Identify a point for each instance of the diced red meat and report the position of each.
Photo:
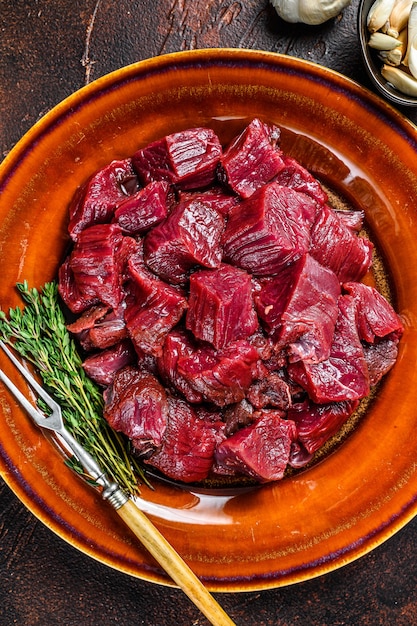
(294, 175)
(177, 345)
(299, 308)
(376, 317)
(69, 292)
(189, 237)
(335, 246)
(103, 365)
(153, 308)
(88, 318)
(129, 247)
(96, 264)
(216, 198)
(135, 259)
(96, 201)
(221, 376)
(220, 305)
(252, 159)
(188, 159)
(238, 415)
(271, 294)
(108, 331)
(146, 208)
(187, 450)
(218, 294)
(264, 345)
(380, 356)
(352, 218)
(299, 456)
(136, 404)
(269, 230)
(270, 391)
(344, 375)
(99, 327)
(260, 450)
(316, 423)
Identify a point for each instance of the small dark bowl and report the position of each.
(373, 64)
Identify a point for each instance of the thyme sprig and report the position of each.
(39, 334)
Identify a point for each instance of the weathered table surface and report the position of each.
(47, 51)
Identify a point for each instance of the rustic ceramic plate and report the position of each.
(366, 489)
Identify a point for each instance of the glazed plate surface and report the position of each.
(362, 492)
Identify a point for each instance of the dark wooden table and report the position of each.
(48, 49)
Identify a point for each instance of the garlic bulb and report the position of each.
(309, 11)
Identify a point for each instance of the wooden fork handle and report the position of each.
(173, 564)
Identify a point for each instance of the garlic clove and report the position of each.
(380, 41)
(411, 30)
(412, 57)
(393, 57)
(403, 37)
(399, 16)
(379, 13)
(400, 80)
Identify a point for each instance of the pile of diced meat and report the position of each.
(217, 295)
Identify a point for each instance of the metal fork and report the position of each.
(133, 517)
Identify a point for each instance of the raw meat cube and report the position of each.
(188, 159)
(214, 197)
(189, 237)
(103, 365)
(136, 404)
(238, 415)
(351, 218)
(96, 263)
(316, 423)
(108, 331)
(153, 308)
(380, 356)
(335, 246)
(260, 450)
(221, 376)
(220, 305)
(96, 201)
(299, 308)
(376, 317)
(76, 301)
(270, 391)
(269, 230)
(294, 175)
(177, 345)
(344, 375)
(252, 159)
(99, 327)
(146, 208)
(187, 450)
(88, 319)
(299, 456)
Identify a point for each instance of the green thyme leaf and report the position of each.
(38, 332)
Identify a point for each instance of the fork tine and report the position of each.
(54, 421)
(30, 379)
(28, 406)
